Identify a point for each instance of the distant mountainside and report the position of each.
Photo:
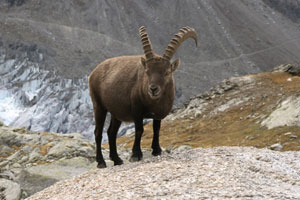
(67, 39)
(289, 8)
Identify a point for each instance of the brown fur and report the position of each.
(116, 83)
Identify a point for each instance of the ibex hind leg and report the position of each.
(100, 115)
(112, 137)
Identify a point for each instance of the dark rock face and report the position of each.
(289, 8)
(72, 37)
(15, 2)
(293, 69)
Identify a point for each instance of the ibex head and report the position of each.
(159, 70)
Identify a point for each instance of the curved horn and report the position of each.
(146, 43)
(183, 34)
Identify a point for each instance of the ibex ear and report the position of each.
(143, 61)
(175, 64)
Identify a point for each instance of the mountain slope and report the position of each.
(235, 37)
(260, 110)
(67, 39)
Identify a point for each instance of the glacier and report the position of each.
(44, 101)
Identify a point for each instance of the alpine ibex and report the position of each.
(132, 88)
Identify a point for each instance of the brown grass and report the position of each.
(44, 149)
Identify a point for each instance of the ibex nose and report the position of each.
(154, 89)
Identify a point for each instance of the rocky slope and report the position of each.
(258, 110)
(35, 160)
(214, 173)
(31, 161)
(62, 41)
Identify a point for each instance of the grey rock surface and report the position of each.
(276, 147)
(200, 103)
(184, 173)
(62, 169)
(212, 173)
(286, 114)
(293, 69)
(9, 190)
(36, 160)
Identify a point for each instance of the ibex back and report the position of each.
(132, 88)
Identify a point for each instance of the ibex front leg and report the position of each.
(155, 142)
(136, 150)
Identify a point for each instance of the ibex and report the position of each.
(132, 88)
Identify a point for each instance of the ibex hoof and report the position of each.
(136, 158)
(118, 161)
(101, 165)
(156, 152)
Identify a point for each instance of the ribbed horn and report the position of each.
(146, 43)
(183, 34)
